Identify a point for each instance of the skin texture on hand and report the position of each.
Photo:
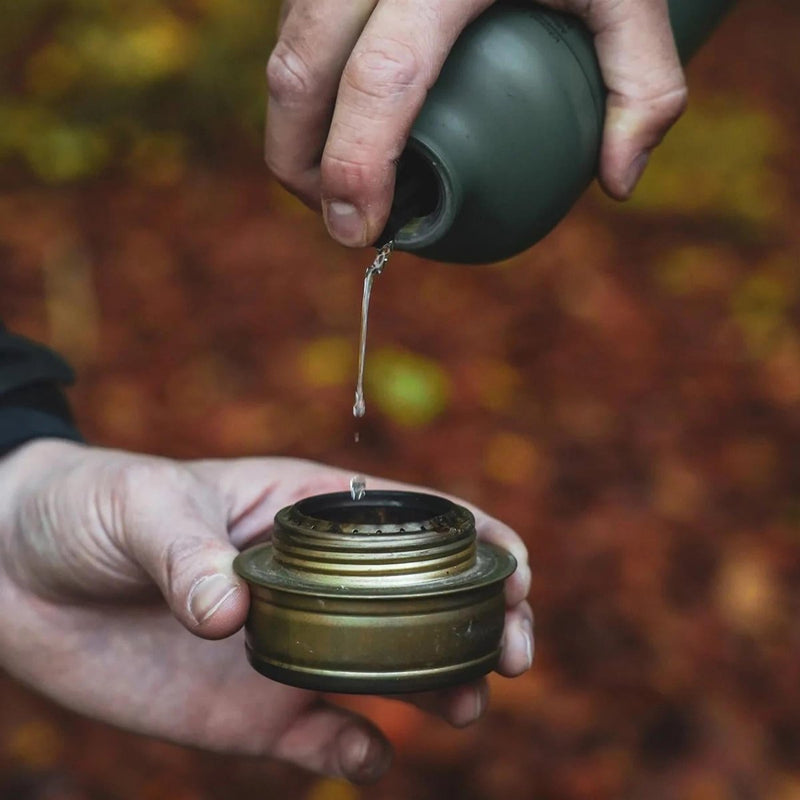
(116, 571)
(347, 80)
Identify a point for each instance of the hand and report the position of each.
(89, 538)
(347, 80)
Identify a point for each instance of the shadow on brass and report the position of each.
(387, 594)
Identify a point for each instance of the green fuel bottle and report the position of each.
(509, 136)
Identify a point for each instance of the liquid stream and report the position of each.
(359, 406)
(358, 484)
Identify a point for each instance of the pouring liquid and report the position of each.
(359, 406)
(358, 484)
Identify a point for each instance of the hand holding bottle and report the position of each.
(346, 82)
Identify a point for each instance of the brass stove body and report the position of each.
(387, 594)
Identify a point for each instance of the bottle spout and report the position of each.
(418, 197)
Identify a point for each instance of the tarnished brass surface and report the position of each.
(389, 593)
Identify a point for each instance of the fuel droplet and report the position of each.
(358, 487)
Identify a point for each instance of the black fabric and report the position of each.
(23, 362)
(32, 405)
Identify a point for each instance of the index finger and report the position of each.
(385, 81)
(303, 72)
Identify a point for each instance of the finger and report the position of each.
(336, 742)
(458, 705)
(489, 529)
(173, 527)
(646, 85)
(253, 490)
(384, 84)
(283, 13)
(517, 648)
(303, 72)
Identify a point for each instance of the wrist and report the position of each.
(21, 471)
(32, 460)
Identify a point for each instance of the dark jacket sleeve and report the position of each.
(32, 404)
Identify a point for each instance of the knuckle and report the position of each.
(351, 176)
(672, 103)
(139, 488)
(384, 69)
(133, 478)
(597, 13)
(665, 106)
(290, 78)
(135, 487)
(180, 559)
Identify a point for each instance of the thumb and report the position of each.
(174, 527)
(645, 81)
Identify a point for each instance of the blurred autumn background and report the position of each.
(626, 394)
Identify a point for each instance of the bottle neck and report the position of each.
(426, 198)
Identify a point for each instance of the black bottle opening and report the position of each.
(417, 194)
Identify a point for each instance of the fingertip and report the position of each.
(345, 223)
(634, 172)
(619, 149)
(364, 755)
(459, 706)
(518, 643)
(470, 705)
(217, 606)
(633, 127)
(620, 183)
(356, 185)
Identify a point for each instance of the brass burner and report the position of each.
(387, 594)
